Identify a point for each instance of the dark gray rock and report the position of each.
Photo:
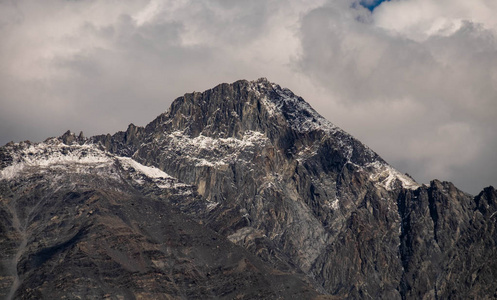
(448, 243)
(105, 230)
(265, 199)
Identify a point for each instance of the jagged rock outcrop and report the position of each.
(448, 242)
(298, 207)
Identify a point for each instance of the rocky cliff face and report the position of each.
(448, 242)
(240, 191)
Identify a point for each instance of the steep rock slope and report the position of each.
(79, 222)
(254, 165)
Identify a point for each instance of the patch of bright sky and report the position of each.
(371, 4)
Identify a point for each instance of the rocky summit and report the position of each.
(240, 192)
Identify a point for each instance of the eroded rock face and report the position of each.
(246, 171)
(78, 222)
(448, 242)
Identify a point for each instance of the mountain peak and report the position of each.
(240, 191)
(234, 116)
(228, 110)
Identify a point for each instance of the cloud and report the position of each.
(413, 79)
(420, 19)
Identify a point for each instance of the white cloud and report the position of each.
(421, 19)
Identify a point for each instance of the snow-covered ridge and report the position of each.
(87, 158)
(212, 152)
(53, 154)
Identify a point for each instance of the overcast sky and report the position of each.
(416, 80)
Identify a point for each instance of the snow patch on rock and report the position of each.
(213, 152)
(386, 176)
(54, 154)
(151, 172)
(139, 173)
(142, 174)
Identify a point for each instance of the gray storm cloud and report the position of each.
(416, 80)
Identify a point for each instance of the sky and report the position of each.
(416, 80)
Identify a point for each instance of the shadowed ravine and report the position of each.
(21, 230)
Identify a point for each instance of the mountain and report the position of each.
(240, 192)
